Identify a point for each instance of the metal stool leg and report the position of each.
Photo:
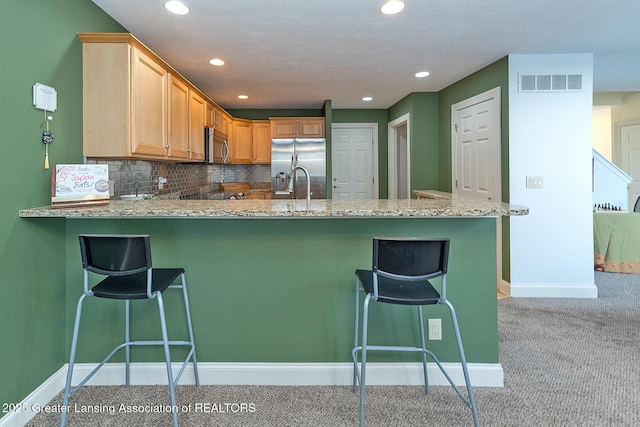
(72, 357)
(167, 355)
(190, 327)
(363, 362)
(356, 331)
(463, 361)
(127, 339)
(423, 343)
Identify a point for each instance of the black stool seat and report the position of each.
(124, 265)
(134, 286)
(394, 291)
(403, 272)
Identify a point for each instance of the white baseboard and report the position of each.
(555, 290)
(210, 373)
(38, 398)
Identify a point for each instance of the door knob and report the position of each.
(335, 186)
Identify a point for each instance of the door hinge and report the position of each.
(455, 126)
(456, 183)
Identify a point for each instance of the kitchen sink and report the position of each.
(139, 196)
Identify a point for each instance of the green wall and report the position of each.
(423, 130)
(282, 290)
(38, 44)
(494, 75)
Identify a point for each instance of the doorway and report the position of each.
(354, 160)
(399, 158)
(475, 157)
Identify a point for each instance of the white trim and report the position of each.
(613, 168)
(555, 290)
(38, 398)
(374, 154)
(481, 375)
(504, 286)
(392, 151)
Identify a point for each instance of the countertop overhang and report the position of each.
(299, 208)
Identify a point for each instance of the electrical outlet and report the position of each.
(435, 329)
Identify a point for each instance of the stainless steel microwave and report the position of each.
(216, 147)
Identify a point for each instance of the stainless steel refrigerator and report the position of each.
(288, 153)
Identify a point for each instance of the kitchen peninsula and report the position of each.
(272, 281)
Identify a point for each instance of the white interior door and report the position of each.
(475, 147)
(354, 161)
(630, 150)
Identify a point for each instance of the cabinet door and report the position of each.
(197, 111)
(241, 142)
(226, 124)
(217, 118)
(178, 119)
(149, 106)
(311, 128)
(283, 128)
(261, 136)
(209, 115)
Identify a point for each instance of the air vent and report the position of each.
(550, 83)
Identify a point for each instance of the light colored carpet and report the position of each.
(567, 362)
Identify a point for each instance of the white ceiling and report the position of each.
(298, 53)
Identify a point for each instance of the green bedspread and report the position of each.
(616, 237)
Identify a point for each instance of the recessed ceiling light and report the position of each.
(177, 7)
(243, 97)
(367, 98)
(392, 7)
(216, 61)
(422, 74)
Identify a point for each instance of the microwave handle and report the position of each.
(224, 151)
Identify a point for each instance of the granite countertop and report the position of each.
(319, 208)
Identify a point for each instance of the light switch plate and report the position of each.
(535, 182)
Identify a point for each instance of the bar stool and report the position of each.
(125, 260)
(401, 274)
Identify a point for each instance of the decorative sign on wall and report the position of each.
(80, 185)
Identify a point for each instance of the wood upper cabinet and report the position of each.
(178, 146)
(311, 127)
(225, 123)
(209, 115)
(240, 146)
(197, 115)
(149, 106)
(125, 102)
(261, 141)
(135, 105)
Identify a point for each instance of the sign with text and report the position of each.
(80, 185)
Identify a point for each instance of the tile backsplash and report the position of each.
(141, 176)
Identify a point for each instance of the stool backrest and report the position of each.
(115, 255)
(410, 258)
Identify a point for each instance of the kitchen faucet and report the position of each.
(292, 175)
